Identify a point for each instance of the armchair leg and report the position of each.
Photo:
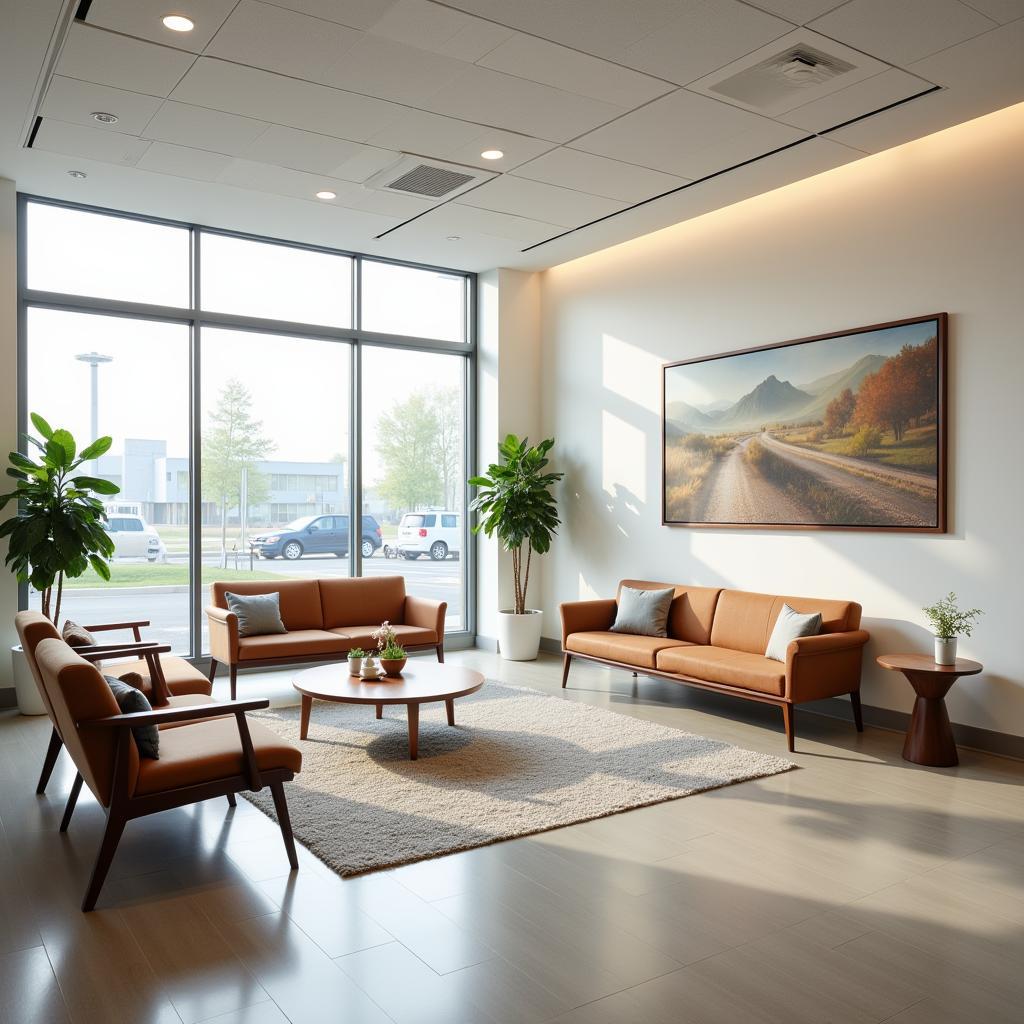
(789, 720)
(440, 653)
(69, 807)
(49, 761)
(566, 662)
(858, 718)
(108, 847)
(233, 672)
(281, 807)
(232, 802)
(213, 669)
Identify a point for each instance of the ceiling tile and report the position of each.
(264, 95)
(902, 32)
(856, 100)
(797, 11)
(91, 143)
(460, 219)
(706, 35)
(96, 55)
(706, 136)
(265, 36)
(598, 175)
(440, 29)
(517, 149)
(199, 128)
(489, 97)
(365, 162)
(381, 67)
(392, 204)
(183, 162)
(354, 13)
(288, 182)
(142, 18)
(67, 99)
(551, 64)
(534, 199)
(1003, 11)
(304, 151)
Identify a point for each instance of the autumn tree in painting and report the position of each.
(903, 391)
(839, 412)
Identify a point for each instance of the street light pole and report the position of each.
(94, 359)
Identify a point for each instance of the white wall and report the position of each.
(935, 225)
(8, 406)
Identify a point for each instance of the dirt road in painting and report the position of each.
(738, 494)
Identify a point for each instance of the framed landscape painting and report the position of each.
(842, 431)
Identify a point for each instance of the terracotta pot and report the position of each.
(392, 666)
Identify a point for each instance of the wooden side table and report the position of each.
(930, 736)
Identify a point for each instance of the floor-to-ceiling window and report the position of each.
(276, 410)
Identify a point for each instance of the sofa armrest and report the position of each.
(426, 614)
(824, 666)
(583, 616)
(223, 634)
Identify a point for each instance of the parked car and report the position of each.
(436, 533)
(313, 535)
(133, 537)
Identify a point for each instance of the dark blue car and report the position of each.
(316, 535)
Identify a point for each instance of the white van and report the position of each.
(437, 533)
(133, 537)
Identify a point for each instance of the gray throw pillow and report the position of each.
(788, 626)
(644, 612)
(258, 614)
(129, 700)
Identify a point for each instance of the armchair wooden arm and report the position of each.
(165, 716)
(135, 625)
(102, 652)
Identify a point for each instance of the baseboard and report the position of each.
(8, 697)
(550, 645)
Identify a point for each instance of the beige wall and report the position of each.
(8, 408)
(935, 225)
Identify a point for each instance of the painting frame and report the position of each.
(941, 522)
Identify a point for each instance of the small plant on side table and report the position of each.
(389, 650)
(949, 622)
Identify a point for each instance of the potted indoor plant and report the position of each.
(355, 660)
(390, 652)
(514, 501)
(948, 622)
(57, 532)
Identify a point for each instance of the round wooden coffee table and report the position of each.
(930, 736)
(418, 684)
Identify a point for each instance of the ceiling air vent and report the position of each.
(428, 179)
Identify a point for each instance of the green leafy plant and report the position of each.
(947, 620)
(357, 652)
(392, 652)
(58, 529)
(515, 502)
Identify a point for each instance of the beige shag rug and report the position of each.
(517, 762)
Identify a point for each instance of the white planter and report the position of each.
(519, 635)
(945, 650)
(29, 701)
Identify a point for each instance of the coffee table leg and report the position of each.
(449, 705)
(307, 706)
(414, 730)
(380, 710)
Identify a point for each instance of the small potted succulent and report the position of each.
(949, 622)
(389, 650)
(355, 660)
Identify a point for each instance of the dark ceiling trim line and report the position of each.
(36, 125)
(83, 10)
(726, 170)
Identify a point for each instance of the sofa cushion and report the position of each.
(257, 614)
(132, 701)
(624, 647)
(720, 665)
(181, 677)
(408, 636)
(790, 625)
(744, 621)
(643, 612)
(297, 643)
(375, 599)
(692, 611)
(300, 599)
(212, 750)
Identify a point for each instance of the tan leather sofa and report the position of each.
(717, 639)
(325, 619)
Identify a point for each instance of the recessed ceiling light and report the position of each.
(77, 174)
(103, 117)
(492, 154)
(327, 194)
(178, 23)
(455, 238)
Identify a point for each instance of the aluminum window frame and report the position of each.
(196, 318)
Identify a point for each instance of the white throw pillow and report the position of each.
(788, 626)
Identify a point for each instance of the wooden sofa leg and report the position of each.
(69, 807)
(281, 807)
(440, 653)
(108, 847)
(789, 720)
(566, 662)
(232, 802)
(233, 672)
(213, 669)
(52, 751)
(858, 717)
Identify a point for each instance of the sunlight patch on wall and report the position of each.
(623, 461)
(629, 371)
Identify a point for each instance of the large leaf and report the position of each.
(99, 447)
(67, 442)
(41, 425)
(97, 484)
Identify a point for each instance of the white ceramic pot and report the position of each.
(945, 650)
(29, 701)
(519, 635)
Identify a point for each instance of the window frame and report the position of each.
(196, 318)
